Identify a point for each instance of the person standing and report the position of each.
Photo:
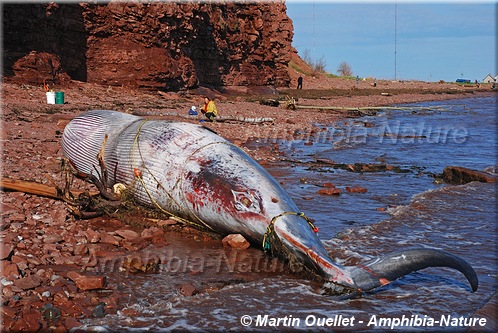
(209, 108)
(300, 82)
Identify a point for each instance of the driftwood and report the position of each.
(219, 119)
(82, 203)
(367, 108)
(259, 120)
(39, 189)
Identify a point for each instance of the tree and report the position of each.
(320, 64)
(344, 69)
(317, 65)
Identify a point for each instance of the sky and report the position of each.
(418, 40)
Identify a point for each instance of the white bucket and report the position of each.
(50, 97)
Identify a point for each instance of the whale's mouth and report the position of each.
(293, 238)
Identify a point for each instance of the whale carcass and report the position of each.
(187, 170)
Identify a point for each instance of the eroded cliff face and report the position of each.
(167, 46)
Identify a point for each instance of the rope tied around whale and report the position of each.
(139, 175)
(271, 227)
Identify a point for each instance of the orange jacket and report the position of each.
(210, 107)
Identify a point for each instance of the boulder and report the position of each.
(461, 175)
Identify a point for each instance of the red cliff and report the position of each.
(166, 46)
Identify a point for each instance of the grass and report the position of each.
(296, 67)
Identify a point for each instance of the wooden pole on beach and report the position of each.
(408, 108)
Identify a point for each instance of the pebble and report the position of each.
(99, 310)
(329, 191)
(6, 282)
(50, 313)
(356, 189)
(188, 289)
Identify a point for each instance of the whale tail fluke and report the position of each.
(394, 265)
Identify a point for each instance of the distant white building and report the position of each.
(490, 79)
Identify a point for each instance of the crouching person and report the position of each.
(209, 109)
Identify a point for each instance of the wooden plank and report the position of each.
(35, 188)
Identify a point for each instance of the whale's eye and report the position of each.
(246, 201)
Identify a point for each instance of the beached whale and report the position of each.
(189, 171)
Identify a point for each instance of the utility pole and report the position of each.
(395, 36)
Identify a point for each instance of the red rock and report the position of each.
(127, 234)
(71, 322)
(6, 250)
(130, 312)
(17, 217)
(107, 238)
(80, 249)
(236, 241)
(61, 300)
(158, 239)
(7, 209)
(28, 282)
(58, 329)
(9, 270)
(163, 223)
(52, 238)
(187, 289)
(329, 191)
(7, 291)
(261, 47)
(8, 311)
(328, 185)
(92, 236)
(58, 216)
(17, 258)
(461, 175)
(151, 232)
(356, 189)
(87, 282)
(74, 309)
(31, 322)
(33, 260)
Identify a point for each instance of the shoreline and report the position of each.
(49, 256)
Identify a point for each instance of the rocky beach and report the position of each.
(49, 256)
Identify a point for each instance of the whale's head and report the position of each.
(226, 188)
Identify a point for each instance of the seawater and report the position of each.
(415, 211)
(420, 139)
